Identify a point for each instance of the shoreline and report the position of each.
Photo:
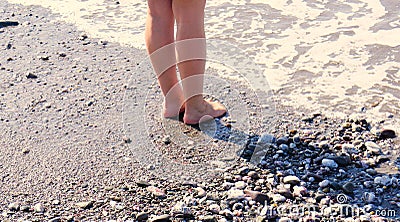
(65, 156)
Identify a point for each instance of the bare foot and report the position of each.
(200, 111)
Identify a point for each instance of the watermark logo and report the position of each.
(174, 150)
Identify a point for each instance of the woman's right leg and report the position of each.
(190, 42)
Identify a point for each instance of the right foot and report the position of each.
(204, 110)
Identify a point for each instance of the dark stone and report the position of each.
(342, 160)
(387, 133)
(143, 216)
(4, 24)
(335, 186)
(31, 76)
(161, 218)
(348, 188)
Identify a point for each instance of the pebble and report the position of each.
(369, 197)
(348, 187)
(324, 183)
(143, 216)
(373, 147)
(299, 191)
(387, 133)
(371, 172)
(85, 204)
(31, 76)
(384, 180)
(38, 208)
(329, 163)
(284, 219)
(156, 191)
(200, 192)
(161, 218)
(293, 180)
(142, 183)
(13, 206)
(209, 218)
(235, 194)
(215, 208)
(240, 185)
(277, 198)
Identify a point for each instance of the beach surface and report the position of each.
(81, 138)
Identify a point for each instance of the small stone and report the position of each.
(55, 219)
(31, 76)
(371, 172)
(384, 180)
(156, 191)
(299, 191)
(127, 139)
(209, 218)
(343, 160)
(282, 140)
(166, 140)
(13, 206)
(115, 198)
(25, 151)
(284, 219)
(215, 208)
(235, 194)
(142, 216)
(253, 175)
(161, 218)
(348, 187)
(25, 208)
(293, 180)
(277, 198)
(329, 163)
(369, 197)
(373, 147)
(387, 133)
(142, 183)
(244, 170)
(85, 204)
(181, 209)
(62, 54)
(56, 202)
(240, 185)
(256, 196)
(38, 208)
(200, 192)
(324, 183)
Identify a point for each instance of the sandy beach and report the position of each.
(312, 90)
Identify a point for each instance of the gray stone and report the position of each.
(277, 198)
(329, 163)
(324, 183)
(373, 147)
(348, 187)
(85, 204)
(215, 208)
(13, 206)
(143, 216)
(235, 194)
(293, 180)
(38, 208)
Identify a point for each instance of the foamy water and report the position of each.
(332, 55)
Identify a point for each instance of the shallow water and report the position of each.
(339, 57)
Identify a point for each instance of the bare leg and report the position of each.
(189, 15)
(159, 33)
